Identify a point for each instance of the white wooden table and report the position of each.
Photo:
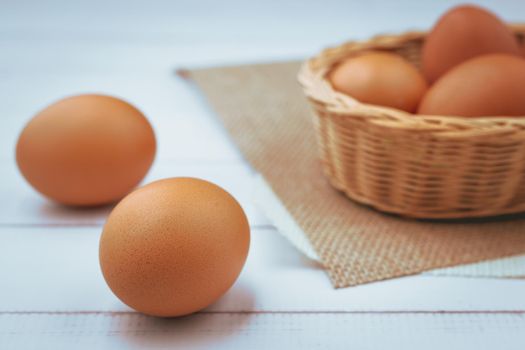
(52, 295)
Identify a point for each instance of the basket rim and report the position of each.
(312, 78)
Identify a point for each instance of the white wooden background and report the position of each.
(52, 295)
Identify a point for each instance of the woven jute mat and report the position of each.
(264, 110)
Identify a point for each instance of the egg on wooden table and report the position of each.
(489, 85)
(174, 246)
(380, 78)
(462, 33)
(86, 150)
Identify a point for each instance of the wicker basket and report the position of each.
(415, 166)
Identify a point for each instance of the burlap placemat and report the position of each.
(263, 108)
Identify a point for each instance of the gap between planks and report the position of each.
(262, 227)
(277, 312)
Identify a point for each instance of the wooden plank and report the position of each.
(264, 330)
(24, 206)
(231, 21)
(56, 269)
(184, 127)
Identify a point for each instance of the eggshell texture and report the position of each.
(490, 85)
(462, 33)
(522, 50)
(174, 246)
(380, 78)
(86, 150)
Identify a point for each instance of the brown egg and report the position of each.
(490, 85)
(174, 246)
(380, 78)
(462, 33)
(522, 49)
(86, 150)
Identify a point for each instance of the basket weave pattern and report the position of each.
(412, 165)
